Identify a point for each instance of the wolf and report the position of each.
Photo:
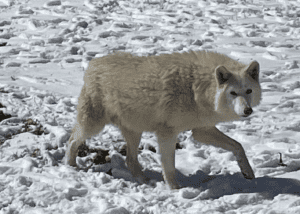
(166, 94)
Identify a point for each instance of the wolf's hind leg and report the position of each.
(167, 146)
(78, 137)
(90, 121)
(133, 140)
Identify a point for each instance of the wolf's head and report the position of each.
(237, 92)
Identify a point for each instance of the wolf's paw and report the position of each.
(249, 175)
(246, 169)
(69, 161)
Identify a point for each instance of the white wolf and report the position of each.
(166, 94)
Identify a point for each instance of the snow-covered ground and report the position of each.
(45, 47)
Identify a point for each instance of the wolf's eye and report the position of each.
(249, 91)
(233, 93)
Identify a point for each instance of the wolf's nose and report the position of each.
(248, 111)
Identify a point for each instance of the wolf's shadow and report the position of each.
(219, 185)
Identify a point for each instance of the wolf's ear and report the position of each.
(222, 74)
(253, 70)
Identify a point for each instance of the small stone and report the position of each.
(197, 42)
(99, 21)
(83, 24)
(55, 40)
(39, 61)
(74, 50)
(53, 3)
(12, 64)
(25, 11)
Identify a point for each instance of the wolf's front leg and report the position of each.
(212, 136)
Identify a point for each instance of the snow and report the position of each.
(45, 49)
